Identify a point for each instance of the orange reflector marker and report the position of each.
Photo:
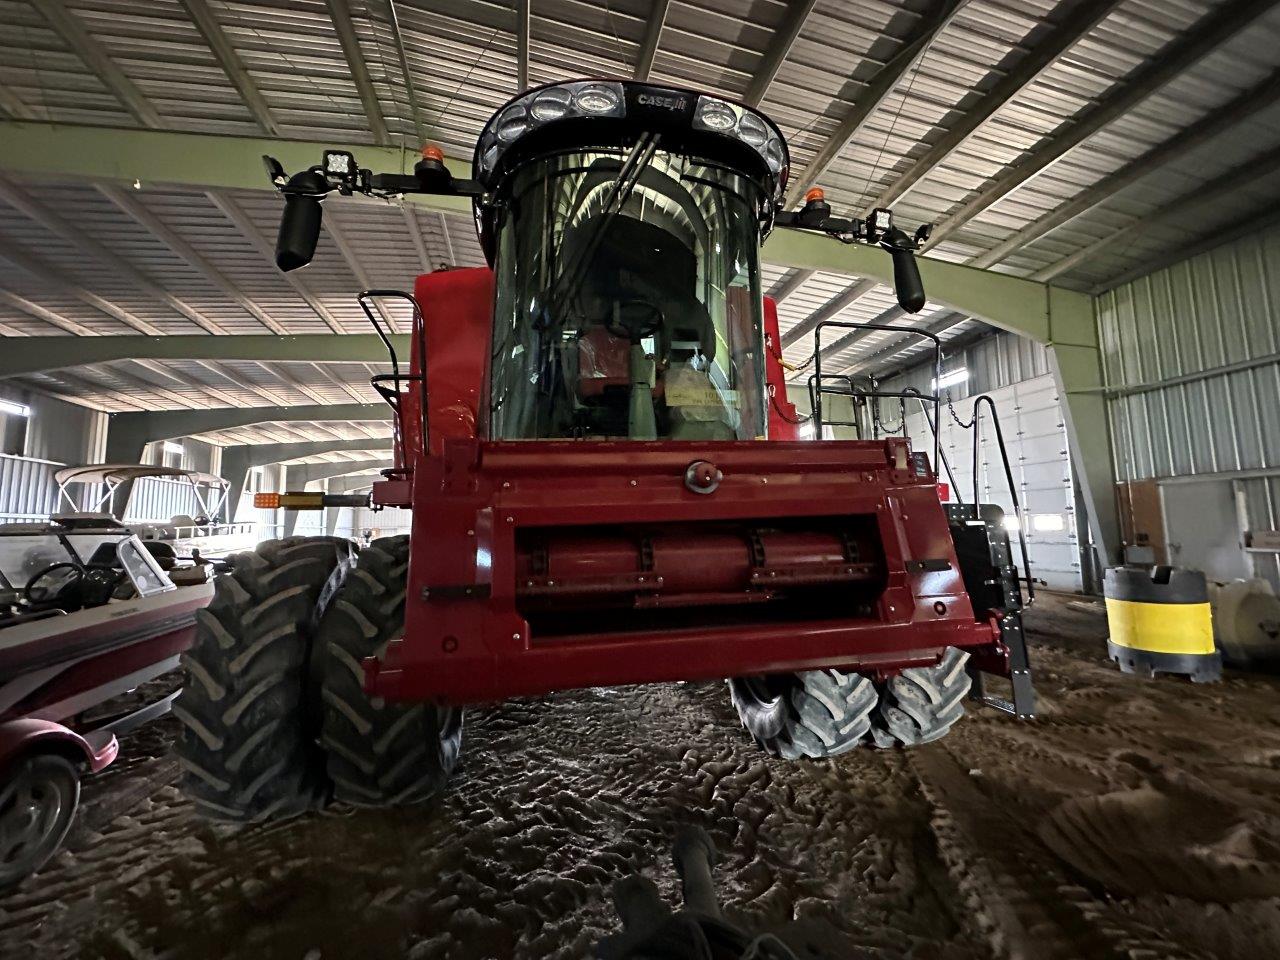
(432, 152)
(814, 195)
(296, 500)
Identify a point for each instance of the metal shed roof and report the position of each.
(1077, 140)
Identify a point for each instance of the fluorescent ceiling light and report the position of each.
(1046, 522)
(951, 378)
(14, 409)
(173, 446)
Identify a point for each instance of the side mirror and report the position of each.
(906, 274)
(300, 223)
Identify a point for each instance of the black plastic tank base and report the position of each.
(1200, 667)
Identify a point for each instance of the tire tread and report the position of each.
(378, 753)
(823, 713)
(921, 704)
(244, 747)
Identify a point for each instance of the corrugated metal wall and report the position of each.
(270, 479)
(159, 499)
(993, 362)
(27, 490)
(57, 434)
(64, 432)
(1211, 325)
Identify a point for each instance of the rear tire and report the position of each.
(921, 704)
(248, 746)
(379, 753)
(815, 714)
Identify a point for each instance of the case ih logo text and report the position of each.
(666, 103)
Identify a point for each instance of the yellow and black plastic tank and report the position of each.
(1160, 622)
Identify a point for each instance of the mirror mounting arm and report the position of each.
(876, 230)
(339, 173)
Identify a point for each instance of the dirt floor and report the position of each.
(1132, 819)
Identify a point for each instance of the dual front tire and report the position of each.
(274, 718)
(378, 753)
(824, 713)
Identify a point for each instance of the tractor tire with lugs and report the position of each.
(248, 744)
(814, 714)
(921, 704)
(379, 753)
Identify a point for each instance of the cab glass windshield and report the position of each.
(628, 302)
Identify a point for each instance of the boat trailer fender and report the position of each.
(27, 735)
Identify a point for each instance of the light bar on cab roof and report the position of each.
(583, 98)
(608, 98)
(735, 120)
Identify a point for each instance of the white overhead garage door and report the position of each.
(1036, 438)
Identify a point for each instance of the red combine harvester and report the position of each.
(607, 483)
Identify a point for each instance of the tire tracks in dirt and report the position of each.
(555, 800)
(1024, 904)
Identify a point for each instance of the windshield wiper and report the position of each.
(570, 279)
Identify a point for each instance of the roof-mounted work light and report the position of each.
(566, 101)
(340, 167)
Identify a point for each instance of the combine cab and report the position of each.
(606, 481)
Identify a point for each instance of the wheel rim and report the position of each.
(450, 723)
(450, 719)
(31, 819)
(766, 691)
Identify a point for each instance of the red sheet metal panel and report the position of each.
(470, 635)
(783, 420)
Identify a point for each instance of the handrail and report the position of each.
(976, 424)
(196, 530)
(818, 377)
(818, 387)
(420, 378)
